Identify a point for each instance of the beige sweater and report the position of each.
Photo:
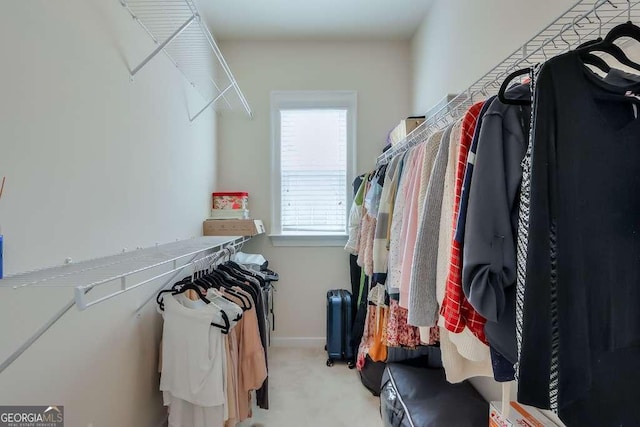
(463, 355)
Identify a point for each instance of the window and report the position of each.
(313, 144)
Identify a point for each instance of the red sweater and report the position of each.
(456, 310)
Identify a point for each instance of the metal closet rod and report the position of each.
(175, 272)
(459, 104)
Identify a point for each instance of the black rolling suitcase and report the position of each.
(339, 324)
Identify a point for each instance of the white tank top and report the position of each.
(193, 352)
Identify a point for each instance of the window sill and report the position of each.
(309, 239)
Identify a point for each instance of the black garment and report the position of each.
(489, 260)
(581, 313)
(360, 313)
(354, 271)
(503, 370)
(489, 268)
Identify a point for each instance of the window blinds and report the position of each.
(313, 168)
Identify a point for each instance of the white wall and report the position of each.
(94, 164)
(459, 41)
(380, 72)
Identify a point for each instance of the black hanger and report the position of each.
(246, 305)
(228, 284)
(505, 85)
(185, 287)
(246, 302)
(597, 62)
(175, 291)
(241, 271)
(232, 273)
(607, 45)
(227, 325)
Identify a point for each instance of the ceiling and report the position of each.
(313, 19)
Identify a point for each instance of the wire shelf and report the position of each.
(85, 275)
(125, 269)
(178, 30)
(585, 20)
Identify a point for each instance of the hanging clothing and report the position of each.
(423, 304)
(355, 215)
(368, 235)
(231, 348)
(192, 352)
(371, 209)
(383, 222)
(398, 332)
(395, 243)
(406, 238)
(456, 310)
(468, 173)
(377, 349)
(209, 380)
(367, 336)
(581, 328)
(252, 371)
(423, 174)
(193, 379)
(489, 267)
(254, 284)
(463, 355)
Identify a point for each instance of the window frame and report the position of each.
(307, 100)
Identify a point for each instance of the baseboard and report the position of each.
(298, 342)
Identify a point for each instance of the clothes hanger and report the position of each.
(222, 309)
(180, 287)
(502, 92)
(209, 280)
(260, 276)
(192, 285)
(246, 304)
(505, 86)
(628, 29)
(235, 274)
(227, 325)
(590, 58)
(188, 285)
(175, 291)
(227, 282)
(587, 57)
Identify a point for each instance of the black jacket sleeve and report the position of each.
(489, 243)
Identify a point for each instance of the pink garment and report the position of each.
(362, 232)
(232, 393)
(367, 337)
(410, 225)
(396, 245)
(252, 365)
(369, 233)
(233, 362)
(399, 333)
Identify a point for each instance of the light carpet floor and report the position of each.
(304, 392)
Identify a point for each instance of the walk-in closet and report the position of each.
(330, 213)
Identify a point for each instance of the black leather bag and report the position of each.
(422, 397)
(371, 375)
